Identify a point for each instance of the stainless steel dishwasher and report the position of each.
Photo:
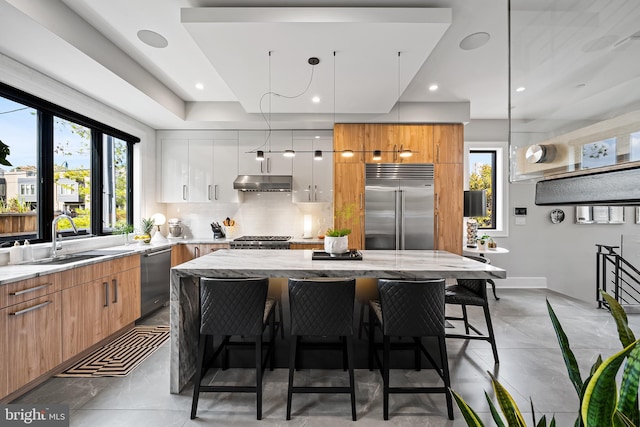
(155, 271)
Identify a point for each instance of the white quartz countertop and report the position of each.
(389, 264)
(26, 270)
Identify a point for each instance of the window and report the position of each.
(53, 156)
(486, 166)
(482, 176)
(635, 146)
(115, 182)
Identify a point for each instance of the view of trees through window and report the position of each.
(72, 174)
(482, 176)
(47, 169)
(19, 172)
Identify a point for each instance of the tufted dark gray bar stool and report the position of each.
(415, 309)
(321, 308)
(472, 292)
(228, 308)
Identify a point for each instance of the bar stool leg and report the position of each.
(385, 377)
(272, 342)
(492, 338)
(352, 385)
(259, 377)
(445, 374)
(465, 318)
(292, 368)
(417, 354)
(345, 356)
(198, 376)
(372, 336)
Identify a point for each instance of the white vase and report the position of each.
(336, 245)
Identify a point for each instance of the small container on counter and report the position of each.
(15, 253)
(27, 251)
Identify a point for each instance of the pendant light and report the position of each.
(377, 155)
(317, 155)
(260, 155)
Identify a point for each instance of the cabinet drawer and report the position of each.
(24, 290)
(32, 340)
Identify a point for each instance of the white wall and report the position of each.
(31, 81)
(559, 256)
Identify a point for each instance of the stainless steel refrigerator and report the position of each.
(399, 206)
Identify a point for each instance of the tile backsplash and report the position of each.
(256, 214)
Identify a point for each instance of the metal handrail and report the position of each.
(626, 277)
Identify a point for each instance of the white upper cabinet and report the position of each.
(225, 170)
(199, 168)
(174, 175)
(272, 144)
(313, 179)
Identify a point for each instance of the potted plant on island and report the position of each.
(336, 240)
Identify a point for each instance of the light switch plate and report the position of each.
(520, 220)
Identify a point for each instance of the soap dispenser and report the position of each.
(27, 251)
(15, 253)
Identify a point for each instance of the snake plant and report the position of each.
(601, 404)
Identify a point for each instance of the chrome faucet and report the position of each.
(55, 244)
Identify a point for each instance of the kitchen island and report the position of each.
(228, 263)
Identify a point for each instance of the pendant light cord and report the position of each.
(398, 87)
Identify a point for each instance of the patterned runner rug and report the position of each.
(121, 356)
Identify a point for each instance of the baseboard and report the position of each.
(522, 283)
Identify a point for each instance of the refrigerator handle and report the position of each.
(398, 213)
(402, 227)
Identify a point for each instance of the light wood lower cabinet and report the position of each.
(94, 310)
(31, 341)
(306, 246)
(189, 251)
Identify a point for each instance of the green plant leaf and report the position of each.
(595, 366)
(4, 152)
(625, 334)
(600, 397)
(542, 422)
(567, 354)
(494, 411)
(628, 397)
(553, 422)
(468, 414)
(507, 404)
(621, 420)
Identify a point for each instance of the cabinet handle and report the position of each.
(435, 240)
(438, 154)
(106, 294)
(395, 152)
(197, 251)
(184, 192)
(361, 202)
(261, 163)
(268, 164)
(26, 310)
(215, 192)
(209, 192)
(309, 193)
(115, 290)
(315, 193)
(26, 291)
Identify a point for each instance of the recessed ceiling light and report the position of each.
(199, 86)
(153, 39)
(315, 99)
(317, 136)
(580, 85)
(433, 87)
(474, 41)
(521, 89)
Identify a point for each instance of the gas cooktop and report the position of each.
(262, 239)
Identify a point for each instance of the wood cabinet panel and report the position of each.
(306, 246)
(31, 334)
(179, 254)
(24, 290)
(448, 207)
(348, 137)
(381, 137)
(349, 193)
(124, 307)
(418, 139)
(448, 142)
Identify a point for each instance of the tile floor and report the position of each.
(531, 366)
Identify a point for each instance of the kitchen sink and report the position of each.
(79, 256)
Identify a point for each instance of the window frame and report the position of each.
(500, 192)
(46, 112)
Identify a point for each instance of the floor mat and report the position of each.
(121, 356)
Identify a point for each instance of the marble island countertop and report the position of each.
(375, 263)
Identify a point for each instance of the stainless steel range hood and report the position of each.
(263, 183)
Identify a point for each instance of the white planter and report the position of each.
(336, 245)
